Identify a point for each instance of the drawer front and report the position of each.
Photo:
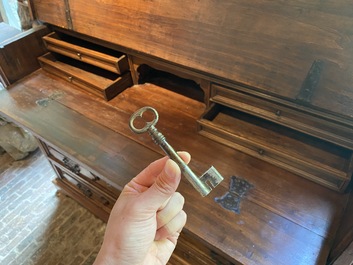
(117, 64)
(91, 193)
(191, 251)
(88, 81)
(325, 128)
(79, 170)
(314, 159)
(69, 74)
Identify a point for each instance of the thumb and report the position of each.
(165, 185)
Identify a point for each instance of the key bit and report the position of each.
(209, 180)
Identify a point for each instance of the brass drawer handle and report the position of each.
(261, 151)
(86, 191)
(79, 55)
(278, 113)
(75, 168)
(104, 201)
(70, 78)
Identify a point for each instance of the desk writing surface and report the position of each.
(284, 219)
(267, 45)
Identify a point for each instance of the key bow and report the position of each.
(209, 180)
(139, 114)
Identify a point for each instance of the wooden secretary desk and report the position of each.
(262, 90)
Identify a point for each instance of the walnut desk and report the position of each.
(259, 89)
(284, 219)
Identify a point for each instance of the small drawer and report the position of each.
(81, 171)
(320, 161)
(87, 52)
(97, 197)
(326, 128)
(92, 79)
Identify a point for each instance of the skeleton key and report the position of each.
(209, 180)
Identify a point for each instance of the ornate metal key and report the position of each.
(209, 180)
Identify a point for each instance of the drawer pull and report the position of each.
(95, 177)
(261, 151)
(104, 201)
(86, 191)
(90, 78)
(75, 168)
(117, 62)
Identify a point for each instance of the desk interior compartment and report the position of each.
(323, 126)
(95, 80)
(315, 159)
(87, 52)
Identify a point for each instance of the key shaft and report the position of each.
(160, 140)
(210, 179)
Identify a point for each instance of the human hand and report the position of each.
(147, 218)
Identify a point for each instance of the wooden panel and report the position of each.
(18, 55)
(54, 12)
(137, 96)
(268, 45)
(283, 207)
(190, 251)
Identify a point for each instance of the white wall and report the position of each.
(8, 9)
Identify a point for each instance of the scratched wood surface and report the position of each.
(268, 45)
(284, 219)
(53, 12)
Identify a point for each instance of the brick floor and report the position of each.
(39, 225)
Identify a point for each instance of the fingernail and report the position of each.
(171, 169)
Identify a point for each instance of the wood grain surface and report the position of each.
(284, 219)
(18, 55)
(267, 45)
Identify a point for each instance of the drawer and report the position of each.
(320, 161)
(191, 251)
(95, 80)
(64, 162)
(87, 52)
(327, 128)
(102, 200)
